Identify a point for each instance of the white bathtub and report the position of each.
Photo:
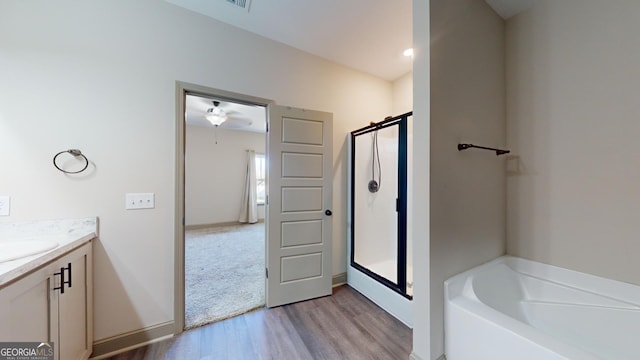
(513, 308)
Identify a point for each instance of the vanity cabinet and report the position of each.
(25, 311)
(53, 303)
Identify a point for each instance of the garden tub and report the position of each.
(512, 308)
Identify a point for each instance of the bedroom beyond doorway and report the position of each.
(224, 275)
(225, 145)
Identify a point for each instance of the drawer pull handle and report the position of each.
(62, 278)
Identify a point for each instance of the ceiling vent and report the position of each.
(243, 4)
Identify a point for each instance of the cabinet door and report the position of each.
(74, 319)
(26, 309)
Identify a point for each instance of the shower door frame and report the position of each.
(401, 203)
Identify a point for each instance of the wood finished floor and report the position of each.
(343, 326)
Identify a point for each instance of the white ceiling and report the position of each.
(509, 8)
(367, 35)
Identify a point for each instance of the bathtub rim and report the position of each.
(610, 288)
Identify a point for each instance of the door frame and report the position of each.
(182, 88)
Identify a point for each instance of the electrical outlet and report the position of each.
(140, 201)
(5, 205)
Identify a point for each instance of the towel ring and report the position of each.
(75, 152)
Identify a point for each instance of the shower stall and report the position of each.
(380, 246)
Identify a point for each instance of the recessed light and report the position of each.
(408, 52)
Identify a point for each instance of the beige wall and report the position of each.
(573, 69)
(467, 105)
(100, 76)
(403, 94)
(215, 170)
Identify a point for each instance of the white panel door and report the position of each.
(299, 205)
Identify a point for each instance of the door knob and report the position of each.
(328, 212)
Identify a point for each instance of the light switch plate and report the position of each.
(136, 201)
(5, 205)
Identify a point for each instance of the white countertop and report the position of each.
(69, 233)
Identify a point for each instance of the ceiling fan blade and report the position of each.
(237, 122)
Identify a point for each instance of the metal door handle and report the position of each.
(328, 212)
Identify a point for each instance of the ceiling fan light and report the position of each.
(216, 116)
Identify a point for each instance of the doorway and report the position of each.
(220, 253)
(298, 240)
(225, 146)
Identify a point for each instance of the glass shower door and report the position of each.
(378, 190)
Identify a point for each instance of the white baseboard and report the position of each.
(339, 279)
(120, 343)
(413, 356)
(220, 224)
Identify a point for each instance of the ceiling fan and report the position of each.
(218, 116)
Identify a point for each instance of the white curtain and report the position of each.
(249, 210)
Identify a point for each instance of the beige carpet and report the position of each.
(224, 272)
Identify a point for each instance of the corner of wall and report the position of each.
(467, 191)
